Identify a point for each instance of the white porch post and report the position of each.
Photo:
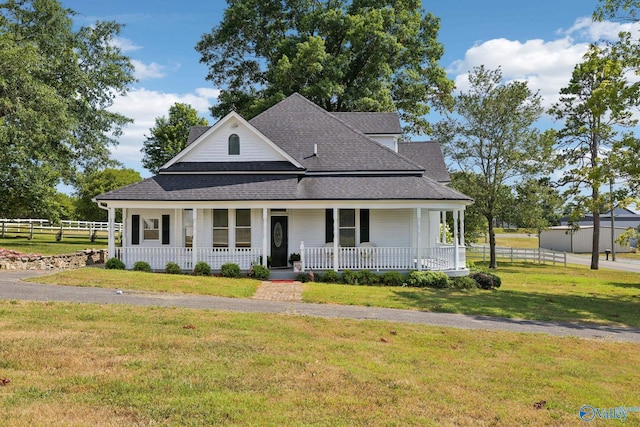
(123, 236)
(265, 230)
(112, 233)
(194, 245)
(462, 242)
(335, 239)
(419, 239)
(456, 242)
(443, 227)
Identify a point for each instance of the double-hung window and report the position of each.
(220, 228)
(151, 229)
(243, 228)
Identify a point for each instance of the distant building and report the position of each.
(561, 239)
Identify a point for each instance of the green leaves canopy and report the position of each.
(491, 138)
(55, 87)
(169, 136)
(95, 183)
(344, 55)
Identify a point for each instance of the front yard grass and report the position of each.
(152, 282)
(87, 364)
(46, 244)
(528, 291)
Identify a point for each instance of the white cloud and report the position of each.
(125, 45)
(150, 71)
(545, 65)
(143, 106)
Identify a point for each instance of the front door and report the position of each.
(279, 239)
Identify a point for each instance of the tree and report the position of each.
(538, 204)
(491, 138)
(95, 183)
(55, 87)
(475, 224)
(344, 55)
(626, 10)
(595, 107)
(169, 136)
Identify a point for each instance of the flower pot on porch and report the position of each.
(297, 266)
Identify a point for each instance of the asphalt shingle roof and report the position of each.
(427, 154)
(372, 123)
(296, 125)
(283, 187)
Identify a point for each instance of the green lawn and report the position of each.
(46, 244)
(86, 364)
(529, 291)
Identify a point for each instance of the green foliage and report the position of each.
(294, 257)
(596, 107)
(230, 270)
(392, 278)
(95, 183)
(142, 266)
(57, 86)
(169, 136)
(172, 268)
(366, 277)
(428, 279)
(331, 276)
(624, 10)
(340, 54)
(463, 282)
(202, 269)
(486, 280)
(259, 272)
(114, 264)
(303, 277)
(490, 136)
(350, 277)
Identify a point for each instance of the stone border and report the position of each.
(51, 262)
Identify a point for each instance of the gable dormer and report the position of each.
(230, 140)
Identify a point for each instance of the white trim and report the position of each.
(231, 116)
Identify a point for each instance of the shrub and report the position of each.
(230, 269)
(202, 269)
(330, 276)
(114, 264)
(392, 278)
(463, 282)
(142, 266)
(486, 280)
(172, 268)
(259, 272)
(303, 277)
(428, 279)
(350, 277)
(366, 277)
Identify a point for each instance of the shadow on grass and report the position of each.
(535, 306)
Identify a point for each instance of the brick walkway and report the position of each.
(279, 291)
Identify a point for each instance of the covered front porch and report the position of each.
(377, 238)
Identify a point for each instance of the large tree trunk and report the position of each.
(492, 245)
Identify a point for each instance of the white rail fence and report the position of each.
(43, 226)
(541, 256)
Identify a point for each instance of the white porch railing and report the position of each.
(382, 258)
(215, 257)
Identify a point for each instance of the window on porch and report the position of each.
(151, 229)
(220, 228)
(353, 226)
(243, 228)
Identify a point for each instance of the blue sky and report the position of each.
(539, 41)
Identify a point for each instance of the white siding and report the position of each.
(307, 226)
(391, 227)
(216, 147)
(558, 239)
(389, 141)
(150, 214)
